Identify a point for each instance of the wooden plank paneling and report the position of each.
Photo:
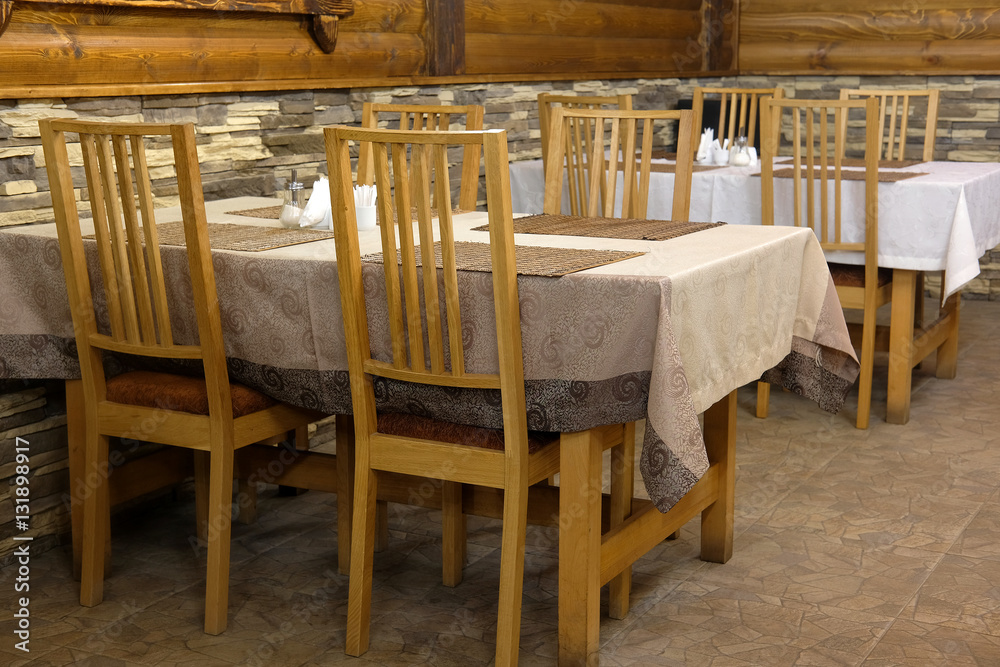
(917, 57)
(919, 25)
(445, 37)
(188, 50)
(527, 54)
(582, 19)
(869, 37)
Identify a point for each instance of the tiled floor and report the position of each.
(878, 547)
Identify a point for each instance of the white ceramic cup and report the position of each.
(366, 217)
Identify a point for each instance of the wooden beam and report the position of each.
(719, 31)
(445, 37)
(6, 7)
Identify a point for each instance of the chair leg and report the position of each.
(515, 521)
(453, 533)
(345, 490)
(359, 596)
(867, 367)
(220, 507)
(763, 398)
(202, 474)
(622, 483)
(96, 517)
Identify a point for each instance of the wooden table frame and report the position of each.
(911, 343)
(588, 559)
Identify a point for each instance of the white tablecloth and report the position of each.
(944, 220)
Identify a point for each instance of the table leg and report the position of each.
(947, 353)
(904, 284)
(720, 444)
(579, 548)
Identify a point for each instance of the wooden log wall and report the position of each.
(869, 37)
(88, 48)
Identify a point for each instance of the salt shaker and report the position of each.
(741, 156)
(293, 201)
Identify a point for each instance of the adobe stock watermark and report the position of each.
(21, 495)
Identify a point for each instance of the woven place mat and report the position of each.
(670, 168)
(531, 260)
(269, 212)
(852, 175)
(251, 238)
(605, 228)
(860, 162)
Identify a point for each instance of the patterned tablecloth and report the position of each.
(662, 336)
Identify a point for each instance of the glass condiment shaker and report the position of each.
(741, 157)
(293, 201)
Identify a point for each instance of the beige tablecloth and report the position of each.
(662, 336)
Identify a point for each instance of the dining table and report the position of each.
(666, 336)
(933, 217)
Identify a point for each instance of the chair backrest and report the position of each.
(818, 134)
(548, 101)
(131, 266)
(738, 109)
(426, 343)
(894, 119)
(631, 135)
(423, 117)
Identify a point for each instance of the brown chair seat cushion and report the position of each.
(414, 426)
(180, 393)
(852, 275)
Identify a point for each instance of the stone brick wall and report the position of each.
(35, 412)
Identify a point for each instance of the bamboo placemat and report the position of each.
(851, 175)
(671, 167)
(269, 212)
(531, 260)
(860, 162)
(272, 212)
(251, 238)
(605, 228)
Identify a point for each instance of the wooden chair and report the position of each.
(894, 116)
(819, 161)
(578, 139)
(205, 413)
(738, 109)
(631, 148)
(426, 117)
(632, 133)
(388, 442)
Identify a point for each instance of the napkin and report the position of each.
(318, 211)
(705, 147)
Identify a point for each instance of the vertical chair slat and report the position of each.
(119, 248)
(380, 171)
(133, 236)
(611, 177)
(456, 350)
(152, 241)
(597, 177)
(644, 170)
(904, 115)
(421, 181)
(840, 121)
(411, 295)
(810, 171)
(891, 143)
(99, 211)
(824, 130)
(797, 165)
